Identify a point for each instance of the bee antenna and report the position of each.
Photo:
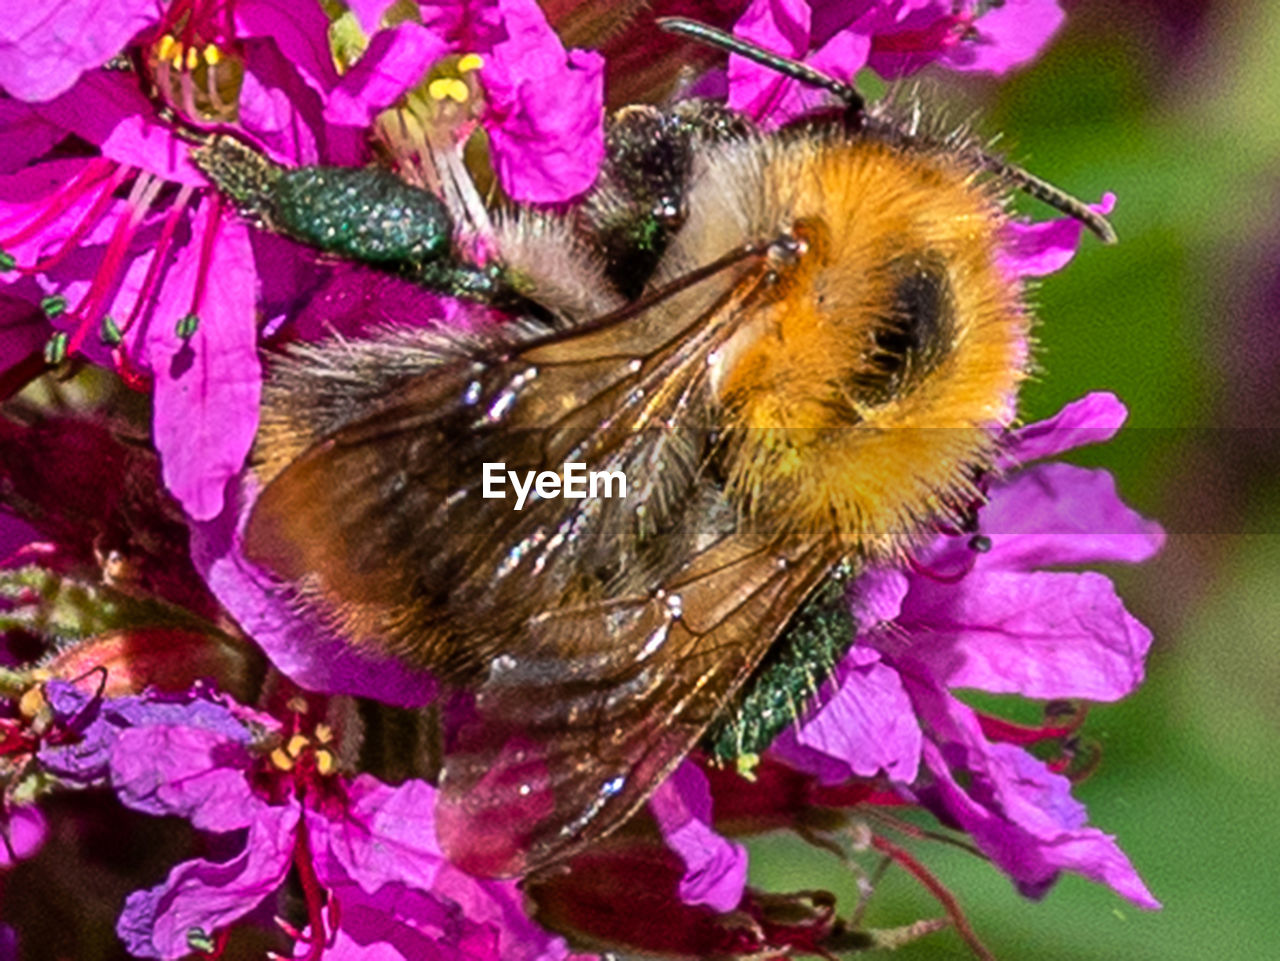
(713, 37)
(1055, 197)
(1026, 181)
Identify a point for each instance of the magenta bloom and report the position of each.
(365, 850)
(129, 253)
(980, 611)
(715, 869)
(893, 37)
(541, 105)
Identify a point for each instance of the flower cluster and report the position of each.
(115, 248)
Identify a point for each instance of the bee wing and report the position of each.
(569, 734)
(386, 528)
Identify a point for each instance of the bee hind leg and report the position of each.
(780, 688)
(362, 214)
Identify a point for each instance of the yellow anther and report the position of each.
(281, 760)
(32, 702)
(458, 91)
(212, 54)
(469, 62)
(298, 705)
(297, 744)
(439, 89)
(325, 762)
(165, 47)
(193, 58)
(324, 733)
(176, 59)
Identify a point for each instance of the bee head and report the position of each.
(866, 382)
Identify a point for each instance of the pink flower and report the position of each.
(133, 258)
(542, 106)
(979, 611)
(366, 852)
(893, 37)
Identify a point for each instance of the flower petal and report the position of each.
(207, 386)
(191, 772)
(298, 644)
(1093, 419)
(394, 62)
(300, 31)
(22, 832)
(1019, 813)
(1045, 247)
(716, 869)
(203, 896)
(387, 834)
(45, 47)
(396, 922)
(1031, 827)
(1009, 35)
(1054, 515)
(109, 111)
(863, 725)
(24, 135)
(546, 118)
(1043, 635)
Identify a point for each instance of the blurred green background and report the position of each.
(1175, 106)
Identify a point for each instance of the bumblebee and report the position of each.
(799, 347)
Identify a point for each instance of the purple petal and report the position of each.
(500, 906)
(1018, 812)
(193, 773)
(23, 331)
(1030, 826)
(206, 387)
(864, 725)
(1043, 635)
(876, 597)
(1093, 419)
(299, 644)
(546, 116)
(1037, 249)
(204, 896)
(24, 135)
(22, 832)
(715, 869)
(278, 108)
(397, 922)
(1007, 36)
(387, 834)
(300, 31)
(780, 26)
(468, 26)
(908, 36)
(394, 62)
(94, 725)
(109, 111)
(1060, 514)
(46, 46)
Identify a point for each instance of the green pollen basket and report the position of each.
(776, 695)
